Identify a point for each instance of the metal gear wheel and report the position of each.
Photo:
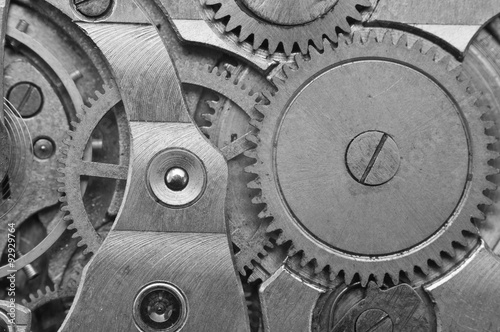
(280, 26)
(233, 105)
(77, 165)
(369, 139)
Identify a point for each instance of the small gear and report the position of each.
(78, 165)
(364, 174)
(269, 24)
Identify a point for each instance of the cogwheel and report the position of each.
(77, 166)
(41, 298)
(366, 175)
(269, 24)
(229, 128)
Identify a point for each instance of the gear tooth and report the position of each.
(257, 200)
(403, 41)
(344, 25)
(255, 183)
(231, 25)
(252, 138)
(425, 269)
(273, 227)
(343, 40)
(303, 45)
(433, 54)
(355, 15)
(257, 42)
(364, 277)
(438, 260)
(244, 34)
(450, 250)
(387, 38)
(418, 46)
(257, 124)
(273, 45)
(489, 124)
(262, 109)
(264, 214)
(318, 269)
(372, 38)
(445, 61)
(392, 277)
(221, 14)
(207, 117)
(357, 38)
(348, 277)
(250, 154)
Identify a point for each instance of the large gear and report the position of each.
(75, 166)
(371, 109)
(287, 27)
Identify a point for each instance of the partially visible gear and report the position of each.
(77, 166)
(233, 101)
(284, 27)
(43, 297)
(49, 307)
(352, 174)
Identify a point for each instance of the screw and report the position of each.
(374, 320)
(76, 75)
(160, 307)
(373, 158)
(29, 269)
(22, 26)
(176, 179)
(27, 98)
(43, 148)
(92, 8)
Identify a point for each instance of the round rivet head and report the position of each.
(373, 158)
(176, 179)
(160, 307)
(43, 148)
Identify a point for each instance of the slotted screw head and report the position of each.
(92, 8)
(26, 98)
